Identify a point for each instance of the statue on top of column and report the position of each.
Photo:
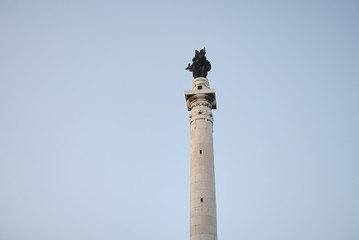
(200, 66)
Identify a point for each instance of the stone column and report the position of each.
(203, 220)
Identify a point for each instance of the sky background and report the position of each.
(94, 129)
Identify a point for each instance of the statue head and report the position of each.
(199, 56)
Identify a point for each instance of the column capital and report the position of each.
(205, 96)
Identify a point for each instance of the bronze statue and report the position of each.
(200, 66)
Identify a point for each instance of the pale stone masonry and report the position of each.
(203, 218)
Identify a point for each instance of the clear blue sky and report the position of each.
(94, 130)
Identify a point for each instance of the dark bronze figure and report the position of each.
(200, 66)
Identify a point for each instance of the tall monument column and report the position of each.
(200, 102)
